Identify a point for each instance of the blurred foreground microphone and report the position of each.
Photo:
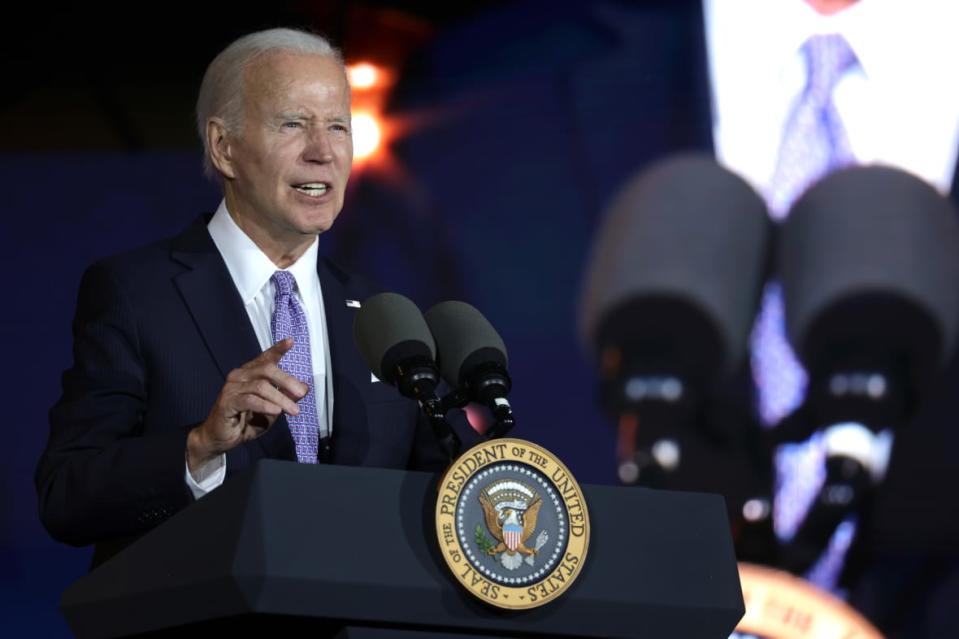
(473, 359)
(670, 294)
(396, 344)
(869, 262)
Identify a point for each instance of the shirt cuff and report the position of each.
(208, 476)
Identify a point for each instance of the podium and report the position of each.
(350, 552)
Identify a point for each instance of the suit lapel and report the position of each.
(212, 299)
(349, 369)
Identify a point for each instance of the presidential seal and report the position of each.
(784, 606)
(512, 523)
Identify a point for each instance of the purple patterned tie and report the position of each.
(289, 320)
(814, 143)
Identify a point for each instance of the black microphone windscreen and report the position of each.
(465, 339)
(388, 329)
(870, 256)
(679, 263)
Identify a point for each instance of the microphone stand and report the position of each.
(503, 416)
(848, 486)
(503, 420)
(433, 408)
(418, 379)
(868, 394)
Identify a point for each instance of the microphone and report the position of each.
(670, 292)
(473, 359)
(397, 346)
(869, 262)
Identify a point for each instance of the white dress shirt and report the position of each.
(251, 271)
(900, 107)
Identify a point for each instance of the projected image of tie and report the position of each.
(814, 143)
(289, 320)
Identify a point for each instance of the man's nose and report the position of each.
(319, 147)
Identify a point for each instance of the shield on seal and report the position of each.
(512, 536)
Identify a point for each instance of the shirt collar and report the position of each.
(865, 26)
(902, 42)
(249, 267)
(765, 36)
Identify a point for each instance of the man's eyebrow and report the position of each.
(293, 115)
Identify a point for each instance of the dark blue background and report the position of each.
(60, 213)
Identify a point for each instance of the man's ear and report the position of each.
(220, 144)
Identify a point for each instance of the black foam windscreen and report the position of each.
(869, 261)
(677, 267)
(465, 339)
(389, 328)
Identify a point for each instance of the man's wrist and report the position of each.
(198, 449)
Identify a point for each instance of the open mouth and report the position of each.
(313, 189)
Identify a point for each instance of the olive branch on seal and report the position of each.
(484, 542)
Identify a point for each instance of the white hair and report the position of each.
(221, 92)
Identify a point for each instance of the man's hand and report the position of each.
(252, 398)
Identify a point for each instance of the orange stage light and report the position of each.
(367, 135)
(363, 75)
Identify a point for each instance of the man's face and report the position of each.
(291, 161)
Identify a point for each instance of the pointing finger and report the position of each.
(273, 354)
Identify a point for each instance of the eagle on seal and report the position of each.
(511, 527)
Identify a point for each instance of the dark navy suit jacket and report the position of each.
(155, 334)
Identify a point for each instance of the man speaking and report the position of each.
(198, 355)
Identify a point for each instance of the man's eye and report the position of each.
(339, 127)
(292, 125)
